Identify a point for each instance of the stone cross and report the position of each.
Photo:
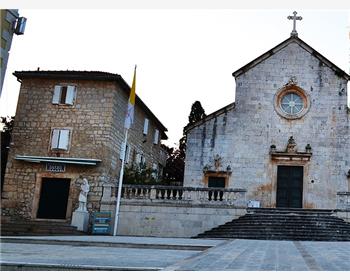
(294, 18)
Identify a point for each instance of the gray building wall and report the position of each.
(242, 137)
(8, 17)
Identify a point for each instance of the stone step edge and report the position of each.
(6, 266)
(106, 244)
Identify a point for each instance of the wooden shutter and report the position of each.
(156, 137)
(127, 154)
(145, 127)
(54, 138)
(70, 97)
(56, 95)
(64, 139)
(122, 151)
(138, 158)
(155, 171)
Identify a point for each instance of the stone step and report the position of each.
(248, 233)
(284, 232)
(283, 224)
(290, 217)
(291, 210)
(277, 233)
(274, 237)
(27, 227)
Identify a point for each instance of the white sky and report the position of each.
(181, 55)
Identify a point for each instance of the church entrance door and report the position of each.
(53, 198)
(289, 186)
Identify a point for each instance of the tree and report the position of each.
(7, 123)
(197, 113)
(175, 166)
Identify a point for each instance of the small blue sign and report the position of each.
(101, 223)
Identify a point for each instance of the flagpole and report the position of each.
(120, 185)
(129, 119)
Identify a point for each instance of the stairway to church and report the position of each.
(283, 224)
(18, 227)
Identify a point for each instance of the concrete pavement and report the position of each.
(170, 254)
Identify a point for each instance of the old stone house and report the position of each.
(69, 125)
(285, 139)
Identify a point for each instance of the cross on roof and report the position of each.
(294, 18)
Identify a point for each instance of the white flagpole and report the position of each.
(120, 185)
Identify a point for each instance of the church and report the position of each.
(283, 145)
(285, 139)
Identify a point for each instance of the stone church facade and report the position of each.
(285, 139)
(69, 126)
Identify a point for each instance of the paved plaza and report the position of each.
(170, 254)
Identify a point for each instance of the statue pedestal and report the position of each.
(80, 219)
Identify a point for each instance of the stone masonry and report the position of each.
(96, 122)
(241, 134)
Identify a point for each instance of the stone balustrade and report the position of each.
(194, 196)
(343, 200)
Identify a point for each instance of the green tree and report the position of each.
(175, 166)
(7, 126)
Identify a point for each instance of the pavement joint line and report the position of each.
(179, 264)
(309, 260)
(108, 244)
(73, 266)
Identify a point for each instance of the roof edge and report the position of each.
(217, 113)
(94, 76)
(338, 71)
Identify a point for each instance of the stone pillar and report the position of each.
(80, 219)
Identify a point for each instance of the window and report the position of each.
(145, 127)
(291, 102)
(140, 161)
(156, 137)
(154, 171)
(60, 139)
(64, 95)
(125, 150)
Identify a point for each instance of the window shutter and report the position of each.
(127, 154)
(54, 138)
(154, 171)
(145, 127)
(56, 95)
(64, 139)
(156, 136)
(71, 92)
(138, 158)
(122, 151)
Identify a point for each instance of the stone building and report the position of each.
(69, 125)
(285, 139)
(11, 24)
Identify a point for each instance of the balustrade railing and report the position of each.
(343, 200)
(185, 194)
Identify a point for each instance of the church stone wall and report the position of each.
(253, 126)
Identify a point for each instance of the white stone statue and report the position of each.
(85, 188)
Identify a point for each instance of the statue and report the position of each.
(85, 188)
(292, 146)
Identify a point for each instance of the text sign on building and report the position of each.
(55, 167)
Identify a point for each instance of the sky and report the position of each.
(182, 55)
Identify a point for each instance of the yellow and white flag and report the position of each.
(129, 119)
